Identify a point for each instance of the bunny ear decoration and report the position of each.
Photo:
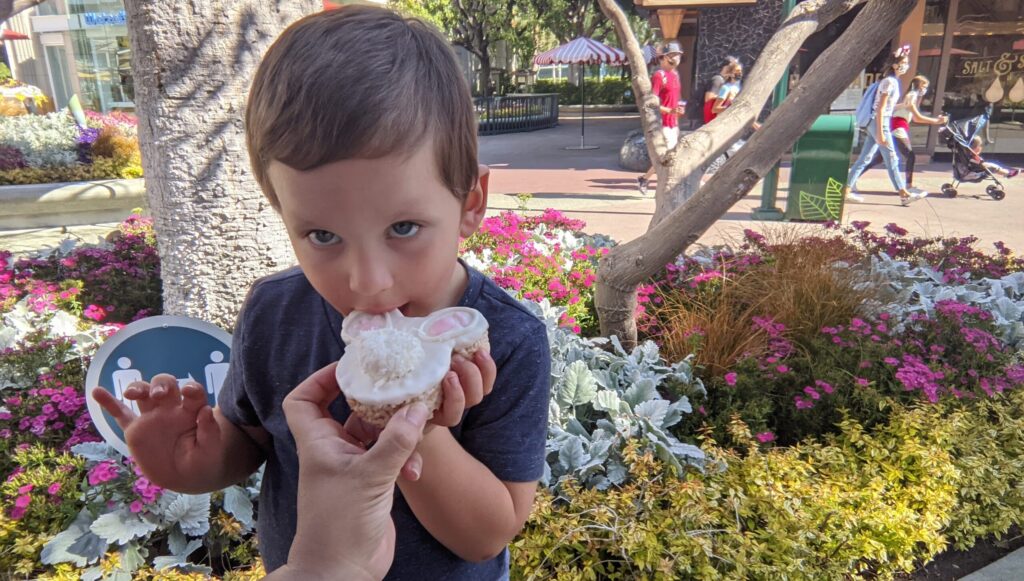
(451, 324)
(357, 322)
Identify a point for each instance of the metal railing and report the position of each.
(517, 112)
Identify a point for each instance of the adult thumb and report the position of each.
(398, 440)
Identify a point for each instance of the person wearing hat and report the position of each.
(665, 84)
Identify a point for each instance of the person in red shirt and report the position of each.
(665, 84)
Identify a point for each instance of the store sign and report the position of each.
(189, 349)
(1000, 65)
(105, 18)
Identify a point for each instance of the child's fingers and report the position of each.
(453, 402)
(164, 390)
(193, 398)
(138, 392)
(470, 379)
(488, 369)
(121, 413)
(207, 430)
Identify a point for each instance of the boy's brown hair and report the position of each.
(360, 82)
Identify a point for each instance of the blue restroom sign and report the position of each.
(189, 349)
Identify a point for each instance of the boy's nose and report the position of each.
(370, 276)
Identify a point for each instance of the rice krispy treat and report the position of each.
(391, 360)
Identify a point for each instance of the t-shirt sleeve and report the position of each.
(507, 432)
(716, 84)
(657, 82)
(232, 400)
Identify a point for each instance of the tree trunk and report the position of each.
(629, 264)
(192, 63)
(485, 73)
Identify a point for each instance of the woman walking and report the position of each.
(879, 134)
(906, 112)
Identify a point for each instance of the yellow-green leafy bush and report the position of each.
(872, 504)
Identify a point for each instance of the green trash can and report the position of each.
(821, 161)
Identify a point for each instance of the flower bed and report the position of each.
(839, 405)
(54, 148)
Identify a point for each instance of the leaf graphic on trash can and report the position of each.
(825, 206)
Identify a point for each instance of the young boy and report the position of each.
(361, 133)
(976, 144)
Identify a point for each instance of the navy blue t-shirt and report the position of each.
(286, 331)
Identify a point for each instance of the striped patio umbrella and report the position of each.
(582, 51)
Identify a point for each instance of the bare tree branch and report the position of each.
(629, 264)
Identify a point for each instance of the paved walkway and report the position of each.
(591, 186)
(1009, 568)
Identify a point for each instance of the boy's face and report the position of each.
(378, 234)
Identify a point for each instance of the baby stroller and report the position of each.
(957, 135)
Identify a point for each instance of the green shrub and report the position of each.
(604, 92)
(867, 504)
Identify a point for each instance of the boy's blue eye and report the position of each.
(404, 229)
(323, 238)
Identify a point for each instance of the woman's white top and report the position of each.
(888, 86)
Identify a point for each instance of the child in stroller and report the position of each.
(963, 140)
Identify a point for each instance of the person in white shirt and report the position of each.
(879, 134)
(903, 115)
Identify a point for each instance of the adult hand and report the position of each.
(345, 493)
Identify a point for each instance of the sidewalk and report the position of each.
(590, 185)
(1009, 568)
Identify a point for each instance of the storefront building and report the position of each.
(76, 47)
(971, 50)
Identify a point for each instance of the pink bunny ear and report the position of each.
(449, 323)
(357, 322)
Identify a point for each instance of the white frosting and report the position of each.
(391, 358)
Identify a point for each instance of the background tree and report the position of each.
(475, 25)
(679, 219)
(9, 8)
(192, 63)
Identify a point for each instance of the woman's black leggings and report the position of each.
(906, 153)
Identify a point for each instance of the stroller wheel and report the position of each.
(948, 190)
(995, 192)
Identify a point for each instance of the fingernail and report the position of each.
(452, 378)
(417, 414)
(415, 472)
(157, 390)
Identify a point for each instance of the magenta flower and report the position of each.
(23, 501)
(53, 489)
(730, 378)
(861, 382)
(765, 437)
(103, 472)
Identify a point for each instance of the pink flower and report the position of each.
(765, 437)
(812, 392)
(17, 513)
(802, 404)
(26, 489)
(730, 378)
(782, 369)
(103, 472)
(824, 386)
(53, 489)
(862, 382)
(135, 506)
(23, 501)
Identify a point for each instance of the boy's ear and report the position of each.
(475, 206)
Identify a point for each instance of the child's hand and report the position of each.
(465, 386)
(175, 434)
